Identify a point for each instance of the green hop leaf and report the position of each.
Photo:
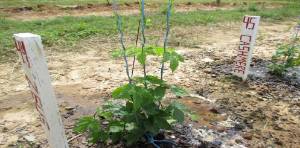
(159, 92)
(178, 115)
(141, 57)
(123, 92)
(85, 123)
(194, 117)
(115, 129)
(178, 91)
(174, 59)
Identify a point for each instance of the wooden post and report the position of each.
(246, 45)
(30, 50)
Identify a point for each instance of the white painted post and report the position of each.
(30, 51)
(247, 41)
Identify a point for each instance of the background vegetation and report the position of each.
(65, 31)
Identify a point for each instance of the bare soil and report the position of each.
(266, 109)
(52, 11)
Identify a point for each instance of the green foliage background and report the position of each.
(66, 31)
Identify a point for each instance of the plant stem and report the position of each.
(166, 39)
(143, 37)
(119, 24)
(136, 42)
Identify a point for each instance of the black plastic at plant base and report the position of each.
(156, 143)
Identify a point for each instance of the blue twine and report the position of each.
(143, 36)
(156, 143)
(166, 37)
(121, 38)
(143, 23)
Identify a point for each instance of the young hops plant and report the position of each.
(286, 56)
(142, 115)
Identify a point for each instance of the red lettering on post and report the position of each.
(32, 85)
(244, 48)
(248, 21)
(245, 39)
(21, 49)
(239, 69)
(242, 60)
(242, 53)
(38, 105)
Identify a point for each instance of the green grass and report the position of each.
(65, 31)
(206, 17)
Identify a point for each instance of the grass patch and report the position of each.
(209, 17)
(68, 30)
(60, 31)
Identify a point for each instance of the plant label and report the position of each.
(30, 50)
(246, 45)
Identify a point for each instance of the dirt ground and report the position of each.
(52, 11)
(266, 108)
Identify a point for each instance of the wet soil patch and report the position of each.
(267, 85)
(213, 128)
(208, 113)
(265, 106)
